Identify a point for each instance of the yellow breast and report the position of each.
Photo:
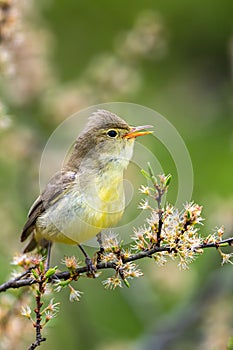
(110, 192)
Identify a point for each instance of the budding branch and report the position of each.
(22, 281)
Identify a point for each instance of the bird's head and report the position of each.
(106, 138)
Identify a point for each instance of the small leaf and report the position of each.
(150, 170)
(50, 272)
(226, 244)
(35, 274)
(64, 283)
(126, 283)
(168, 180)
(41, 264)
(145, 174)
(154, 180)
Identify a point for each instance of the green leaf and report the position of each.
(64, 283)
(50, 272)
(145, 174)
(152, 175)
(41, 264)
(188, 215)
(150, 170)
(35, 274)
(126, 283)
(168, 180)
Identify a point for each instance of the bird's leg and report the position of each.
(90, 266)
(101, 250)
(49, 246)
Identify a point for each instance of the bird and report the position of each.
(87, 194)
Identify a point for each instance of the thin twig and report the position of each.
(158, 198)
(223, 243)
(25, 273)
(37, 325)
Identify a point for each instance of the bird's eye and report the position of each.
(112, 133)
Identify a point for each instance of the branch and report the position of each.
(19, 281)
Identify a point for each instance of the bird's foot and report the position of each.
(47, 264)
(99, 254)
(91, 268)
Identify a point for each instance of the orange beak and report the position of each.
(135, 131)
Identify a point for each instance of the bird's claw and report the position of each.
(99, 254)
(91, 268)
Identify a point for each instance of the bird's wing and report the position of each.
(59, 183)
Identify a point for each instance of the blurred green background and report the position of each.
(58, 57)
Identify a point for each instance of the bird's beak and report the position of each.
(135, 131)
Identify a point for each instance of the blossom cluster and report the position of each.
(114, 252)
(49, 312)
(175, 231)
